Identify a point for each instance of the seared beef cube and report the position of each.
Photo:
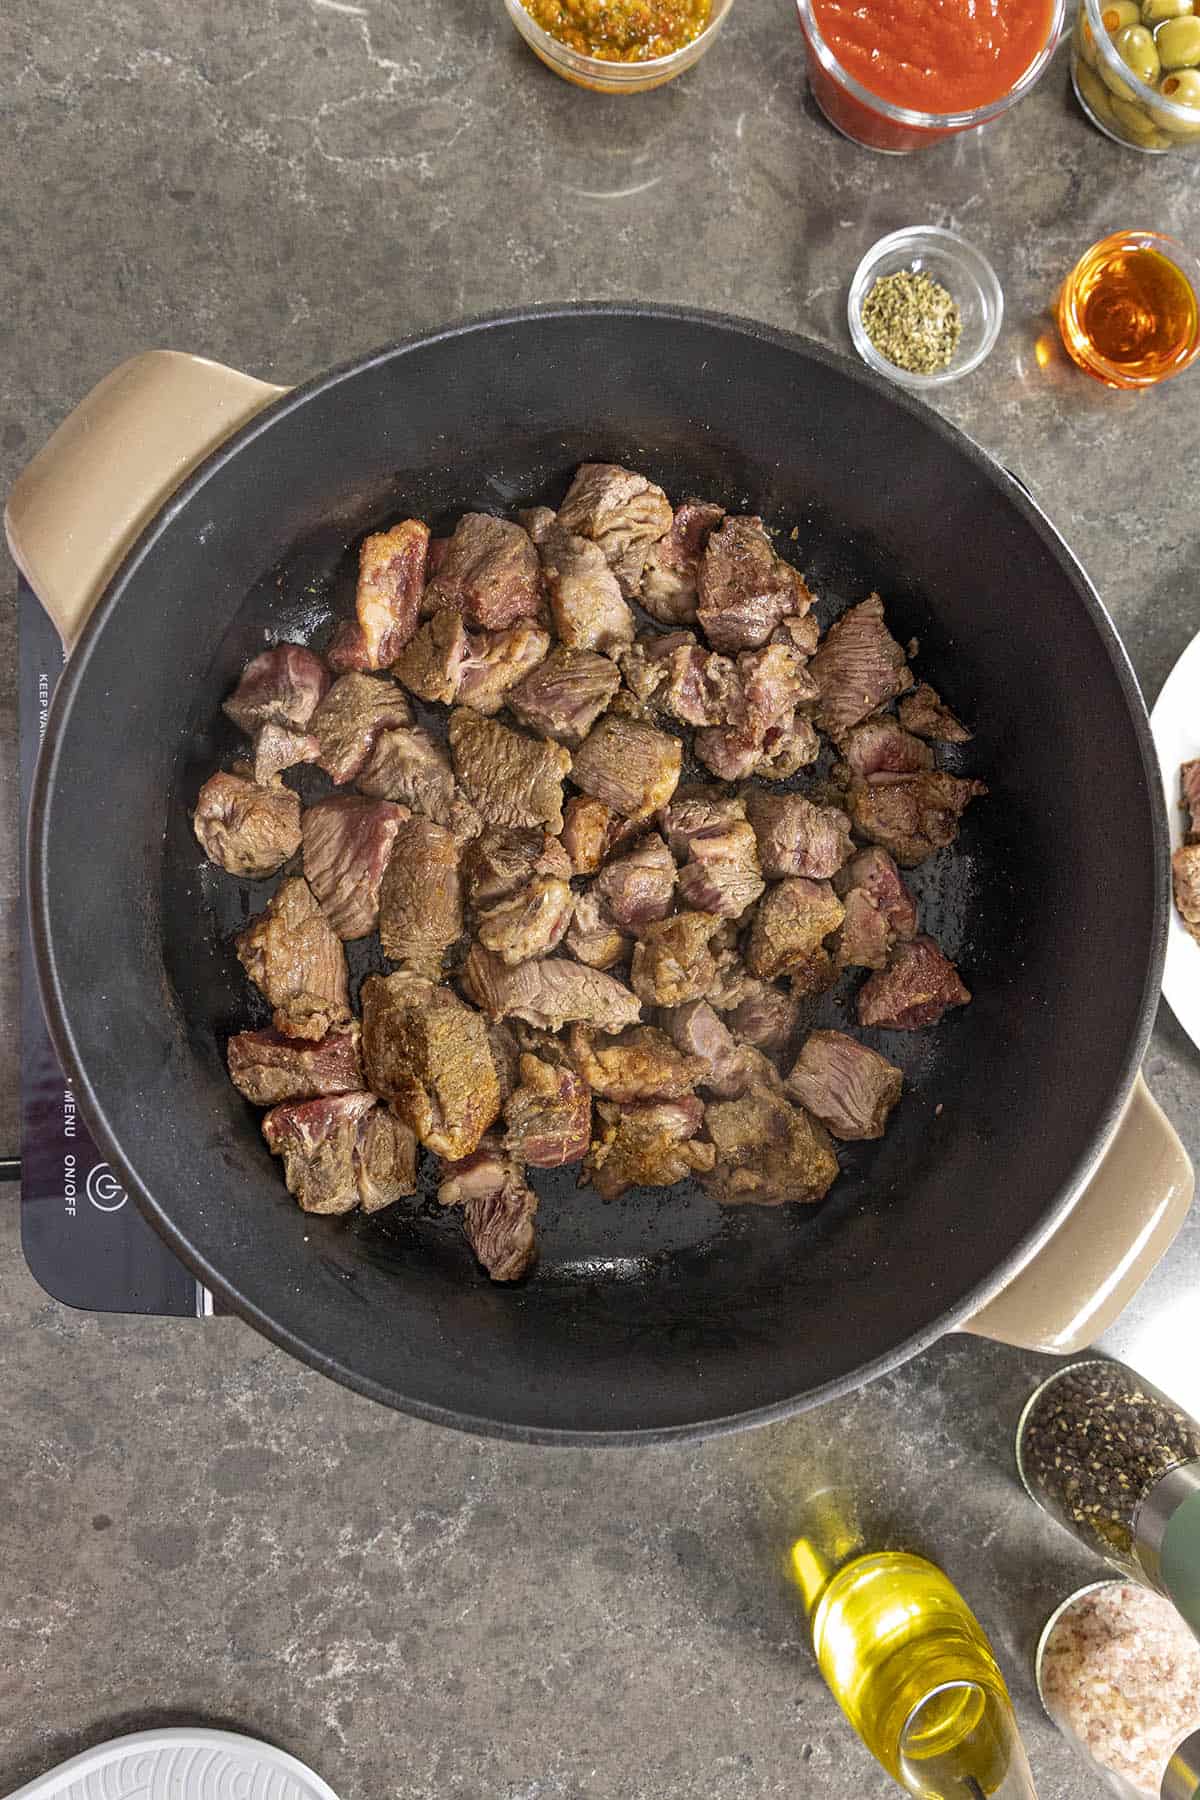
(498, 1210)
(669, 577)
(911, 815)
(797, 838)
(420, 898)
(278, 747)
(858, 667)
(585, 596)
(678, 676)
(787, 748)
(268, 1067)
(496, 662)
(849, 1088)
(745, 589)
(729, 1067)
(391, 583)
(674, 962)
(283, 686)
(875, 870)
(350, 718)
(506, 1054)
(407, 766)
(513, 780)
(564, 696)
(865, 938)
(548, 993)
(763, 733)
(768, 1152)
(925, 714)
(722, 875)
(347, 843)
(620, 511)
(317, 1140)
(630, 766)
(1189, 789)
(881, 746)
(592, 938)
(530, 922)
(694, 810)
(428, 1053)
(764, 1016)
(432, 665)
(792, 919)
(638, 887)
(587, 828)
(1185, 880)
(549, 1115)
(813, 974)
(503, 859)
(641, 1064)
(295, 958)
(385, 1159)
(801, 632)
(537, 521)
(247, 828)
(774, 682)
(489, 574)
(347, 652)
(647, 1146)
(915, 989)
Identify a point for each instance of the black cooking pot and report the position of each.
(659, 1315)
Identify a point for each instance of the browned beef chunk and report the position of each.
(496, 662)
(926, 714)
(722, 874)
(881, 746)
(592, 938)
(849, 1088)
(420, 898)
(647, 1146)
(498, 1210)
(792, 747)
(385, 1159)
(745, 589)
(669, 577)
(674, 962)
(621, 512)
(638, 887)
(792, 919)
(347, 843)
(429, 1055)
(801, 632)
(764, 734)
(911, 815)
(391, 583)
(731, 982)
(915, 989)
(630, 766)
(729, 1067)
(813, 974)
(768, 1152)
(696, 809)
(865, 938)
(875, 871)
(795, 837)
(537, 521)
(641, 1064)
(564, 696)
(589, 831)
(295, 958)
(530, 922)
(432, 664)
(247, 827)
(283, 686)
(347, 652)
(350, 718)
(548, 993)
(269, 1068)
(677, 675)
(278, 747)
(1185, 881)
(407, 766)
(511, 779)
(549, 1115)
(858, 667)
(506, 1054)
(489, 574)
(1189, 791)
(503, 859)
(586, 604)
(317, 1140)
(764, 1016)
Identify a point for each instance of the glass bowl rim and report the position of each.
(546, 44)
(1142, 91)
(912, 237)
(1189, 267)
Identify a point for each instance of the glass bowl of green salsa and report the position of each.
(618, 46)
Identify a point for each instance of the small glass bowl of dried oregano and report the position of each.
(925, 307)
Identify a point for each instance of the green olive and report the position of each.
(1119, 13)
(1183, 89)
(1178, 43)
(1092, 95)
(1137, 51)
(1154, 12)
(1135, 123)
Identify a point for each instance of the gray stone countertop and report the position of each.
(195, 1527)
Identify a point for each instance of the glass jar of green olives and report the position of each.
(1136, 69)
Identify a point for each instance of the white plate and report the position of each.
(1175, 723)
(180, 1765)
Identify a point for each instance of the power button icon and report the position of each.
(104, 1190)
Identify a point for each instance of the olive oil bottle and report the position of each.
(911, 1668)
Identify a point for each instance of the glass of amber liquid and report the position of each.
(1129, 311)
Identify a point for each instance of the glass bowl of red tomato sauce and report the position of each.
(897, 75)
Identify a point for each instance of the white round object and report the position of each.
(180, 1765)
(1175, 723)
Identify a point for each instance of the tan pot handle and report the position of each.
(83, 500)
(1118, 1230)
